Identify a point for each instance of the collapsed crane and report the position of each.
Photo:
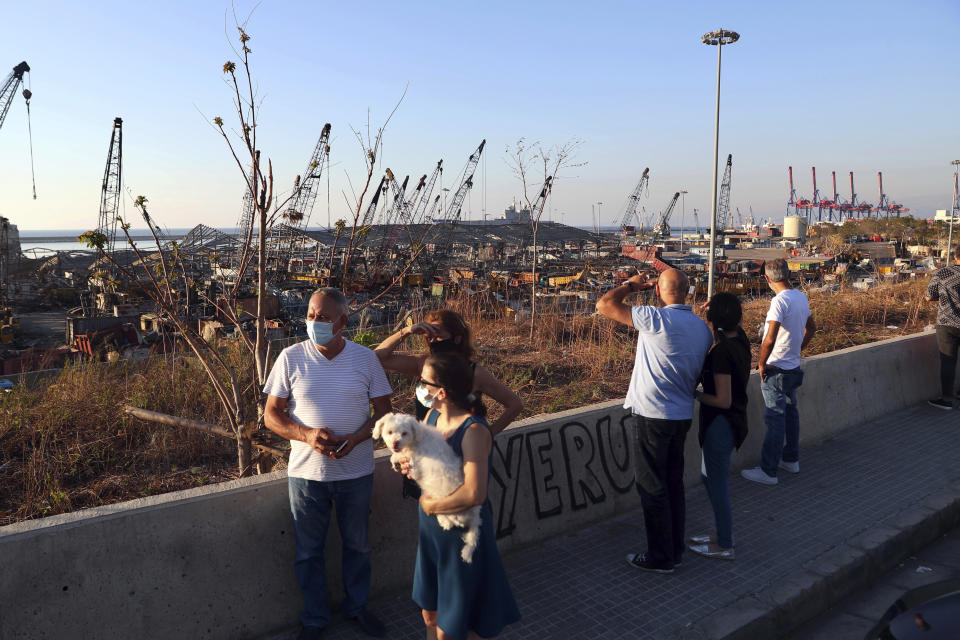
(723, 208)
(661, 230)
(7, 91)
(297, 216)
(633, 203)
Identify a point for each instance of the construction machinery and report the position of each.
(297, 216)
(420, 207)
(723, 208)
(455, 208)
(661, 230)
(632, 205)
(7, 91)
(245, 223)
(110, 189)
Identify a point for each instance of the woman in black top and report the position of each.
(723, 417)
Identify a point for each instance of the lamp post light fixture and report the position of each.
(718, 38)
(953, 212)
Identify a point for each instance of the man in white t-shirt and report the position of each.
(788, 329)
(319, 394)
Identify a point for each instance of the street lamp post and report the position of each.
(683, 216)
(717, 38)
(953, 212)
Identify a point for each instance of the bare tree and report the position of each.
(231, 381)
(538, 170)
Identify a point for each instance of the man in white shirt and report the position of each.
(671, 347)
(319, 394)
(788, 329)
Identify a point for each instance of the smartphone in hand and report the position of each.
(340, 446)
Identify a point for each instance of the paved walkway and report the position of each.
(867, 480)
(852, 618)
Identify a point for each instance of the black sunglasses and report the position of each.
(429, 384)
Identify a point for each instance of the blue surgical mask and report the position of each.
(320, 332)
(423, 395)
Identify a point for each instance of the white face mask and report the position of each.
(423, 395)
(320, 332)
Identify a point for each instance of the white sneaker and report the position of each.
(758, 475)
(792, 467)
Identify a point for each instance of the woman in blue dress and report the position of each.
(459, 600)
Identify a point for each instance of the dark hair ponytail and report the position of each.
(455, 375)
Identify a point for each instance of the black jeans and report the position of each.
(948, 339)
(658, 452)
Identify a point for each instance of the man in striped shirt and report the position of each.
(319, 394)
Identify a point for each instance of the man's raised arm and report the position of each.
(611, 304)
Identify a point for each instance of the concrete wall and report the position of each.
(216, 562)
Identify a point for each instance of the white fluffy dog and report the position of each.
(434, 466)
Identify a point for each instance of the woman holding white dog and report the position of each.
(459, 600)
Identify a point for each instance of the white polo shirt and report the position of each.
(334, 394)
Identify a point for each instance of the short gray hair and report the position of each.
(336, 295)
(777, 270)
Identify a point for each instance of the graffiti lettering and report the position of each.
(505, 481)
(546, 496)
(615, 453)
(568, 467)
(578, 454)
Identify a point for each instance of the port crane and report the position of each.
(245, 223)
(633, 203)
(7, 91)
(288, 236)
(661, 230)
(723, 208)
(110, 188)
(455, 207)
(423, 201)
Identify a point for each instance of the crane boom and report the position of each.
(633, 201)
(662, 228)
(297, 216)
(371, 211)
(421, 206)
(9, 88)
(110, 189)
(246, 215)
(456, 205)
(723, 208)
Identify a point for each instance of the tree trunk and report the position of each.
(245, 456)
(533, 285)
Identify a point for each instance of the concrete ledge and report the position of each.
(216, 561)
(833, 575)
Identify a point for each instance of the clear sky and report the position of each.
(843, 86)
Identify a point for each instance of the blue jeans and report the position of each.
(311, 503)
(782, 419)
(717, 447)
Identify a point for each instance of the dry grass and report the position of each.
(68, 446)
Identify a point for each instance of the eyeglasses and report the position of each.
(429, 384)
